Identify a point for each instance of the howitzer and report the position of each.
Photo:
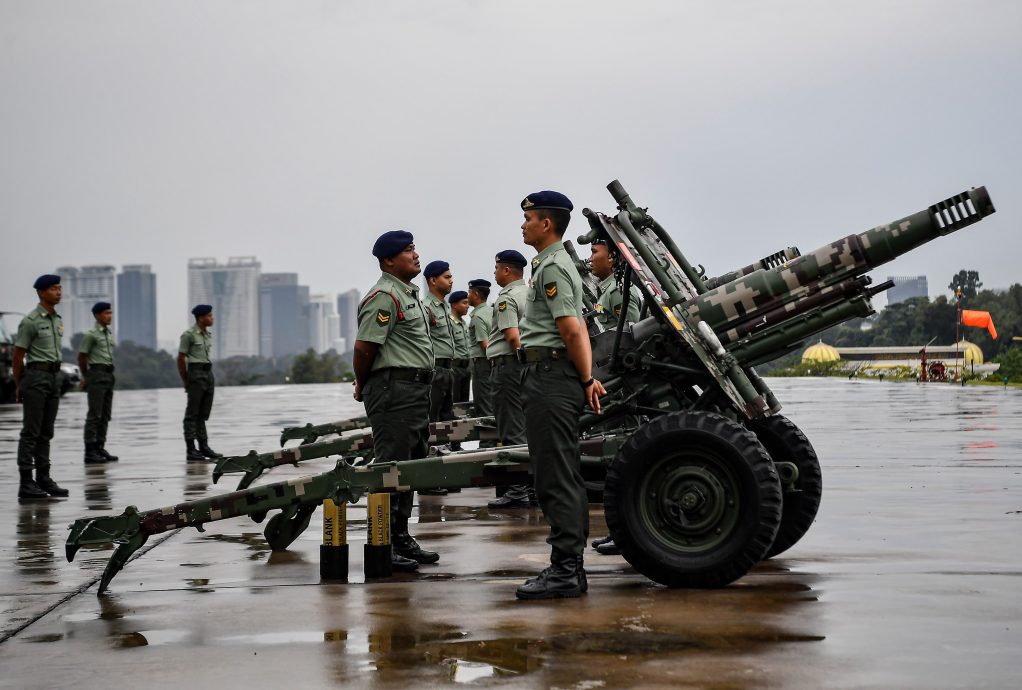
(701, 477)
(310, 433)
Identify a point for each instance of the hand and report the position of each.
(593, 392)
(17, 394)
(81, 386)
(358, 391)
(184, 382)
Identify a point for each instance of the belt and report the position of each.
(109, 368)
(407, 374)
(52, 367)
(443, 362)
(539, 354)
(461, 363)
(202, 366)
(498, 360)
(477, 360)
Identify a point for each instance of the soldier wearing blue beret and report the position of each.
(462, 353)
(37, 388)
(196, 371)
(439, 282)
(393, 363)
(557, 383)
(96, 361)
(478, 339)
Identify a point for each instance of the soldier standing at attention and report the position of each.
(441, 332)
(96, 361)
(505, 370)
(478, 335)
(37, 388)
(393, 363)
(557, 382)
(462, 354)
(197, 376)
(603, 261)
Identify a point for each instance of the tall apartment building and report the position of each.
(83, 287)
(283, 315)
(233, 290)
(347, 311)
(136, 305)
(907, 287)
(324, 324)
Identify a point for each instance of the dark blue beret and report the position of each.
(392, 243)
(546, 199)
(202, 309)
(510, 256)
(457, 296)
(435, 268)
(479, 283)
(45, 281)
(100, 307)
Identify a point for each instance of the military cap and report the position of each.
(100, 307)
(479, 283)
(202, 309)
(392, 243)
(546, 199)
(435, 268)
(457, 296)
(510, 256)
(45, 281)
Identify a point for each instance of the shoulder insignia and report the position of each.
(382, 317)
(551, 290)
(60, 328)
(502, 306)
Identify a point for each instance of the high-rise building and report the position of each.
(324, 324)
(906, 287)
(136, 305)
(283, 315)
(233, 290)
(347, 310)
(83, 287)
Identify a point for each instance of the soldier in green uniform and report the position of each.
(462, 354)
(602, 262)
(557, 382)
(478, 339)
(441, 332)
(196, 372)
(505, 369)
(37, 388)
(393, 363)
(96, 361)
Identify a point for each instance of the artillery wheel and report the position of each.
(786, 443)
(693, 500)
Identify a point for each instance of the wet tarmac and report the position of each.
(910, 578)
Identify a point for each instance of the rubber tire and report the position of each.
(786, 443)
(753, 477)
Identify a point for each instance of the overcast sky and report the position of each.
(296, 132)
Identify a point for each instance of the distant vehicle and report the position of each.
(70, 374)
(70, 377)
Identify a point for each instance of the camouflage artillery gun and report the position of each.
(702, 478)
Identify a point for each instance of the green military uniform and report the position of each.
(611, 298)
(441, 332)
(478, 331)
(396, 395)
(98, 347)
(462, 360)
(39, 334)
(505, 369)
(553, 398)
(195, 345)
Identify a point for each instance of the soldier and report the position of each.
(196, 372)
(557, 382)
(393, 363)
(462, 354)
(505, 370)
(478, 335)
(603, 262)
(96, 361)
(37, 387)
(441, 332)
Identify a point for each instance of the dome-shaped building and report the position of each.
(820, 352)
(970, 352)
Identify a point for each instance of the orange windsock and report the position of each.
(979, 319)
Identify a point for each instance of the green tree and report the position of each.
(328, 367)
(968, 281)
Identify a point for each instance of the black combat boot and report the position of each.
(193, 452)
(432, 492)
(515, 497)
(405, 546)
(607, 547)
(46, 483)
(92, 455)
(400, 564)
(107, 456)
(208, 452)
(565, 578)
(28, 488)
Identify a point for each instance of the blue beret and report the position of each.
(457, 296)
(510, 256)
(100, 307)
(435, 268)
(479, 283)
(546, 199)
(391, 243)
(202, 309)
(45, 281)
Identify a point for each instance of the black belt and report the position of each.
(538, 354)
(52, 367)
(202, 366)
(477, 360)
(461, 363)
(109, 368)
(498, 360)
(444, 362)
(406, 374)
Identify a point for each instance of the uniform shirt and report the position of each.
(39, 335)
(441, 330)
(461, 348)
(392, 317)
(479, 329)
(555, 290)
(508, 307)
(195, 343)
(609, 304)
(98, 345)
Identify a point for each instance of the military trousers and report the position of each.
(553, 400)
(398, 413)
(200, 403)
(462, 381)
(506, 389)
(482, 396)
(40, 398)
(99, 389)
(441, 395)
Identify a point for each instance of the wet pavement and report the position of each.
(910, 578)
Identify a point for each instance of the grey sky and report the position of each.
(151, 132)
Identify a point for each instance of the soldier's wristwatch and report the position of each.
(591, 381)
